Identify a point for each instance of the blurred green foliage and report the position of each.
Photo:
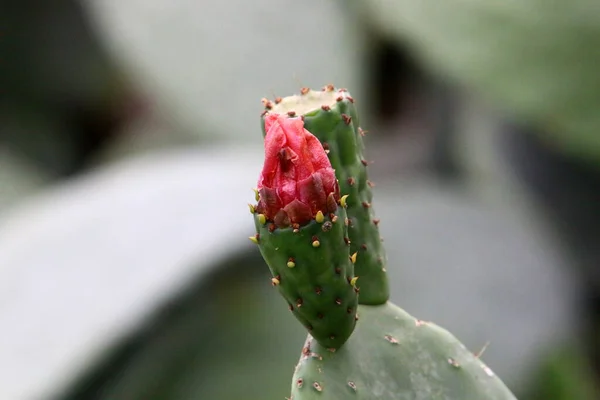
(535, 59)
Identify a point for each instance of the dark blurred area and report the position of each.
(64, 97)
(86, 114)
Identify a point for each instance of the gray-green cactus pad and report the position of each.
(393, 356)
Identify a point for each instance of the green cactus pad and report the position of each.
(331, 116)
(312, 268)
(394, 356)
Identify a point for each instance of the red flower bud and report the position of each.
(297, 179)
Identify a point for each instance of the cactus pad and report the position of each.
(314, 272)
(393, 356)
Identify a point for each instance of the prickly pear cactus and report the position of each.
(321, 246)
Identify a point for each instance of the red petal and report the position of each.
(297, 176)
(296, 137)
(269, 120)
(298, 212)
(274, 142)
(331, 203)
(286, 188)
(269, 202)
(282, 219)
(311, 192)
(318, 157)
(329, 181)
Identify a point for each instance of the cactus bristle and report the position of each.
(343, 200)
(320, 217)
(262, 219)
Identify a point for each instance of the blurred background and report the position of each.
(130, 141)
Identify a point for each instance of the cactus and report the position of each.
(331, 116)
(386, 353)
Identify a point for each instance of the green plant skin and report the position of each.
(318, 287)
(337, 127)
(394, 356)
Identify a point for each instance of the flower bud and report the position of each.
(297, 180)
